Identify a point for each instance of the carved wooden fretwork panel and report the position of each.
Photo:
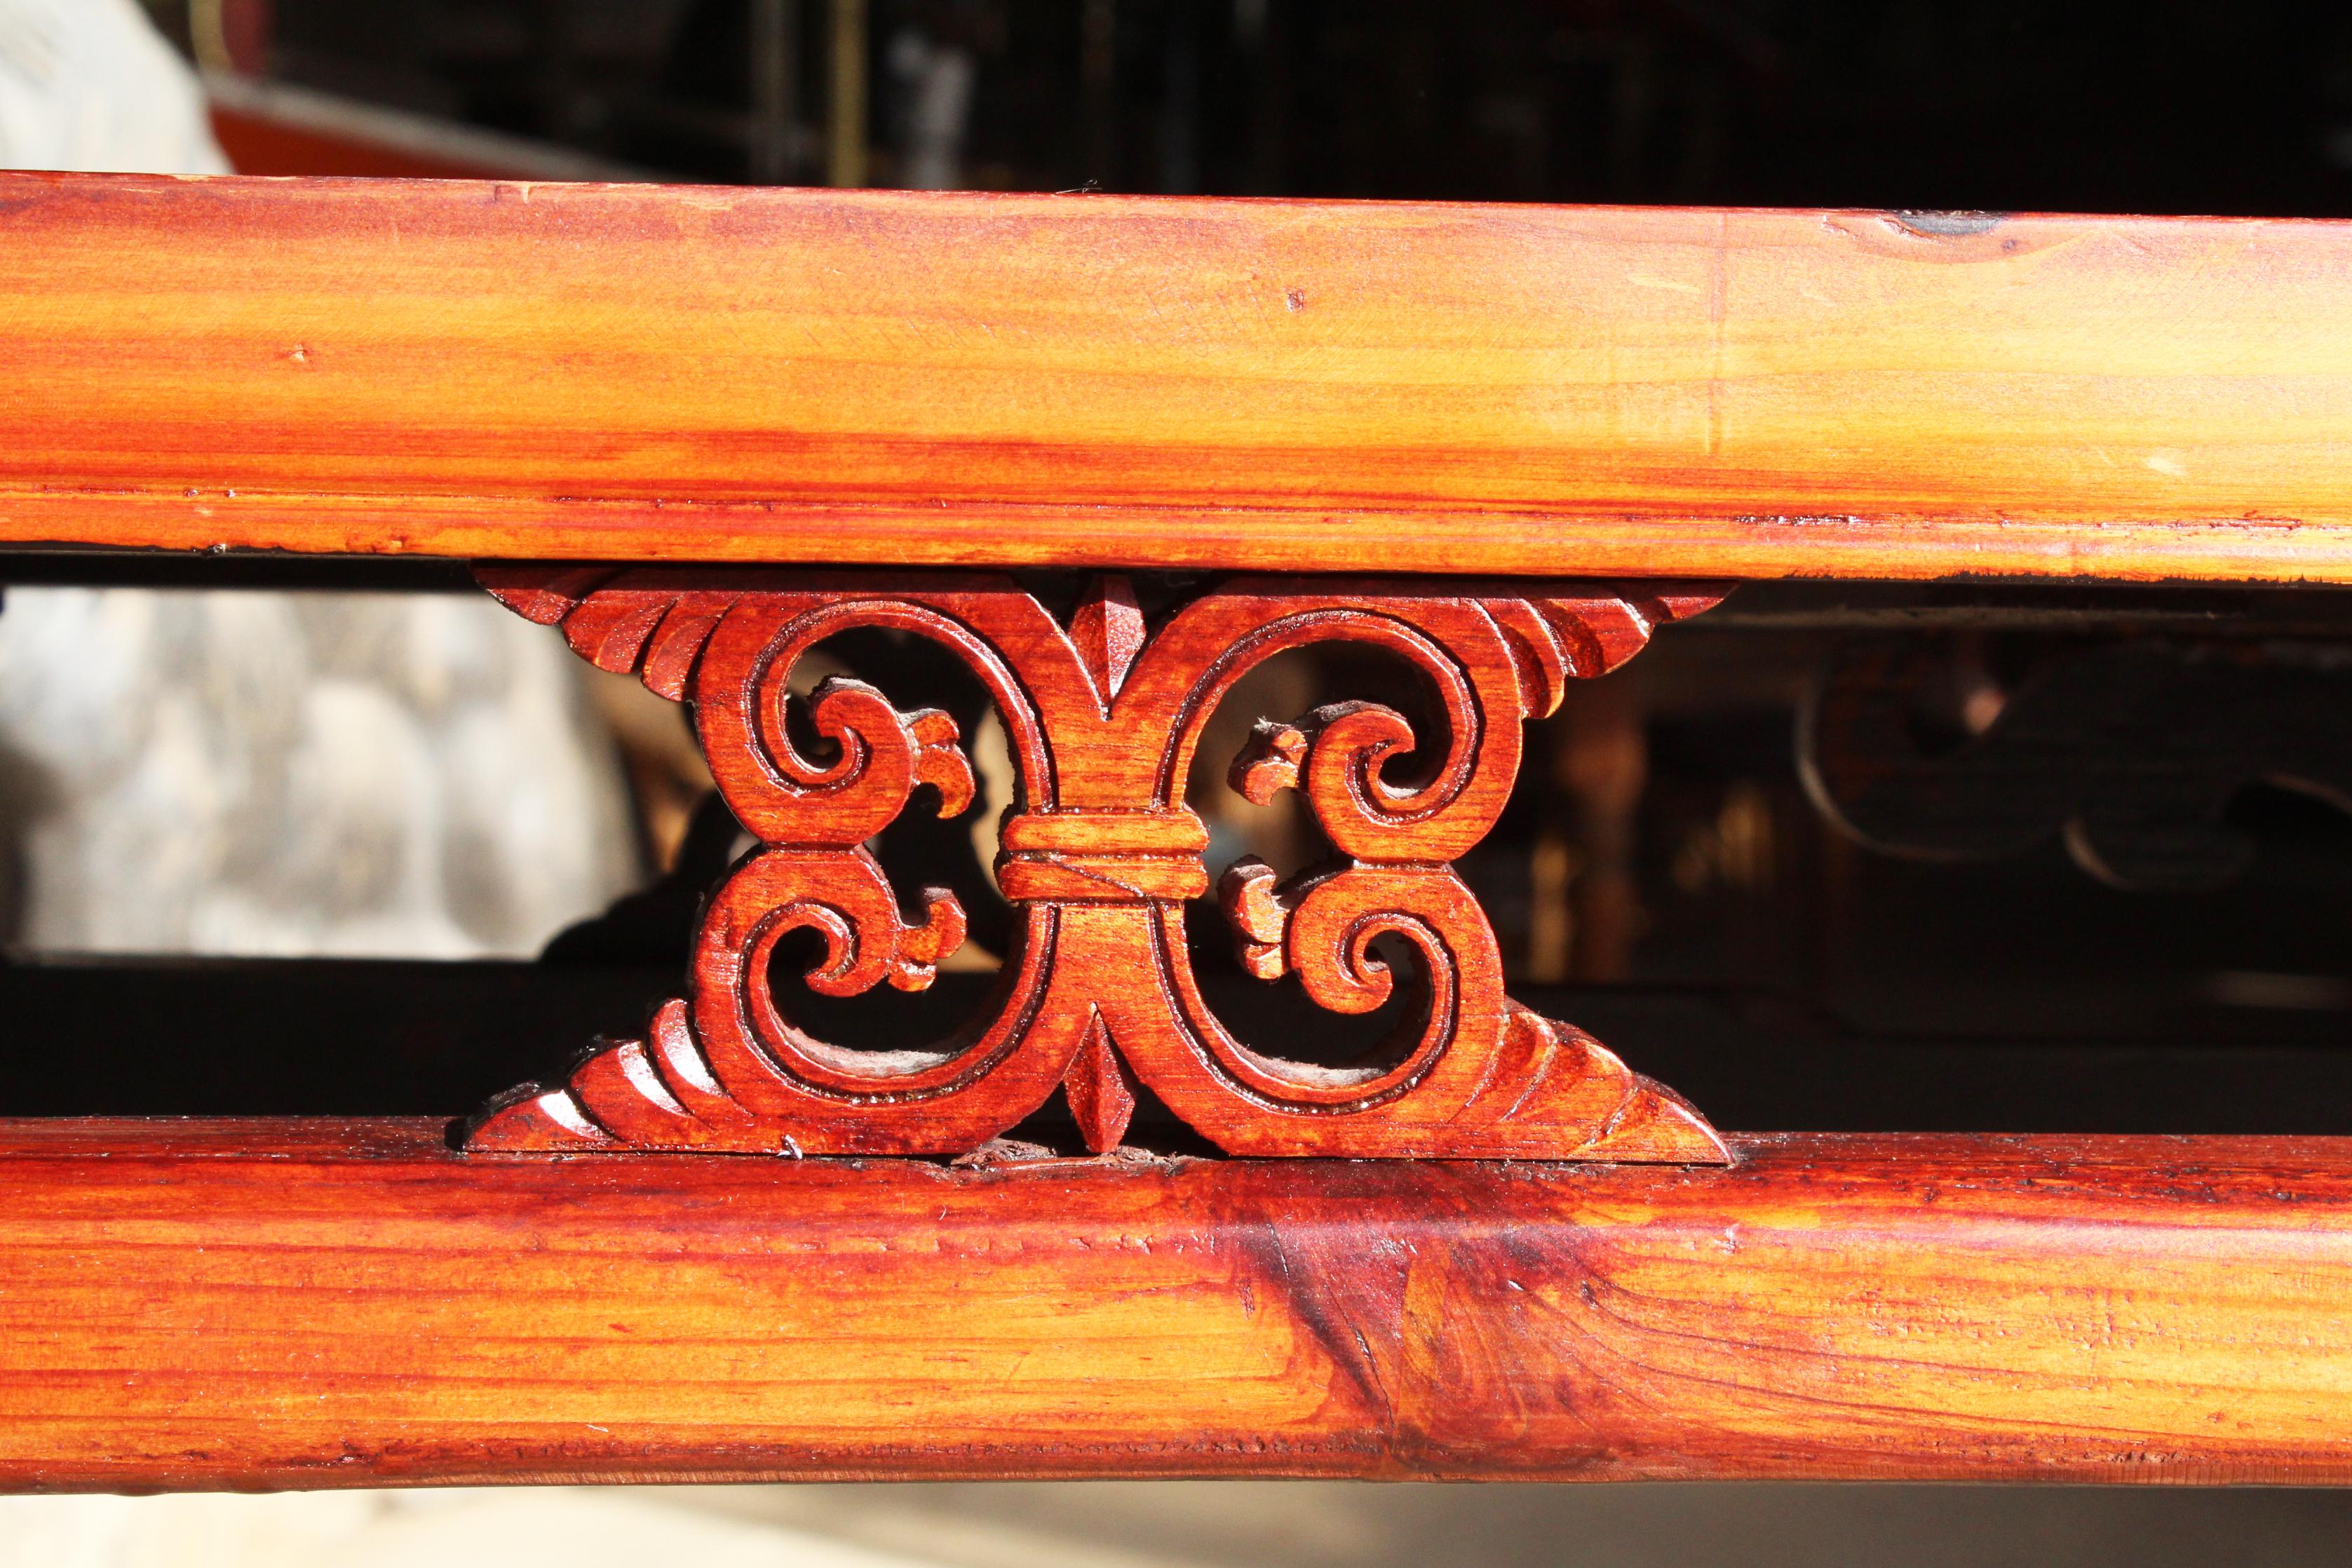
(1100, 855)
(2129, 752)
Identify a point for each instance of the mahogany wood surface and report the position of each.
(516, 370)
(319, 1304)
(1100, 851)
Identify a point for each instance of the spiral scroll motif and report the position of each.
(1100, 855)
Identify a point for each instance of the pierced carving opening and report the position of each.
(1267, 848)
(946, 980)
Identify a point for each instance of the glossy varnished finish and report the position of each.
(1100, 850)
(548, 372)
(302, 1304)
(537, 371)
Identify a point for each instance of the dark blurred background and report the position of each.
(2170, 106)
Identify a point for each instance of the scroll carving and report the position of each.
(1100, 856)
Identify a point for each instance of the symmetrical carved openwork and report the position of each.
(1101, 854)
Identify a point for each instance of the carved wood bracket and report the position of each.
(1099, 855)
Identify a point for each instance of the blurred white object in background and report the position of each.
(272, 772)
(91, 85)
(412, 1529)
(264, 773)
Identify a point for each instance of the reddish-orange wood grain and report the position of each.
(300, 1304)
(516, 370)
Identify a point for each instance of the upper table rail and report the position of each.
(625, 371)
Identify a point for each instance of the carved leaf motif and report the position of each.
(1559, 637)
(651, 622)
(654, 1093)
(1108, 632)
(1554, 1078)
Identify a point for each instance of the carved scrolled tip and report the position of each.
(1246, 893)
(940, 759)
(542, 593)
(921, 947)
(1261, 960)
(1269, 763)
(838, 972)
(846, 712)
(656, 1093)
(1363, 736)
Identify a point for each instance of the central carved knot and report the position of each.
(1102, 856)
